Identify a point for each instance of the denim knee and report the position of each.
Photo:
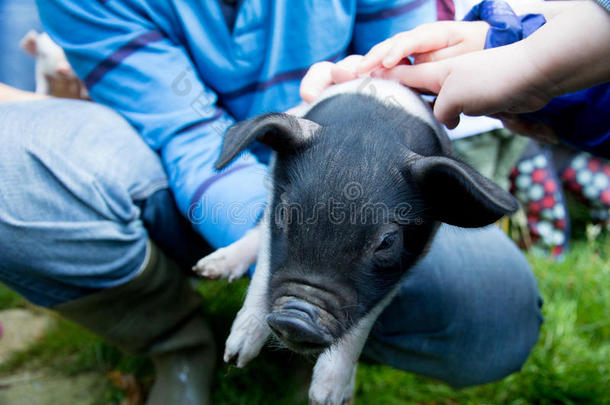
(68, 222)
(468, 314)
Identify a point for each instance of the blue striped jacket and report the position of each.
(181, 77)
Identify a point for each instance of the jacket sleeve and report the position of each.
(135, 67)
(377, 20)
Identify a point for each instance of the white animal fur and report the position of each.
(232, 261)
(334, 373)
(386, 91)
(250, 331)
(50, 58)
(51, 62)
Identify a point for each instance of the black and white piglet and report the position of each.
(360, 184)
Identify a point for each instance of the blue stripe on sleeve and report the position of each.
(119, 55)
(211, 180)
(296, 74)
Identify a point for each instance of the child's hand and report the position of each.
(539, 132)
(428, 42)
(324, 74)
(469, 83)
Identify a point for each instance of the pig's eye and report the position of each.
(387, 241)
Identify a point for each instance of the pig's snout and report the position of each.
(297, 323)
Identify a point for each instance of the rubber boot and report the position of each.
(156, 314)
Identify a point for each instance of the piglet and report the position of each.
(359, 186)
(54, 75)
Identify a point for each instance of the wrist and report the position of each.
(535, 79)
(567, 56)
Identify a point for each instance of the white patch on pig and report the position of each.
(348, 397)
(50, 59)
(334, 372)
(231, 262)
(300, 109)
(387, 91)
(250, 331)
(52, 63)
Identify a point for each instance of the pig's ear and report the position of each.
(29, 42)
(283, 133)
(459, 195)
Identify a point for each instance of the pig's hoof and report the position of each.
(346, 401)
(248, 335)
(332, 384)
(327, 397)
(219, 265)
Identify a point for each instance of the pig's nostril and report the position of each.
(298, 327)
(296, 330)
(305, 307)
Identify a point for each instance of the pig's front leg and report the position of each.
(250, 330)
(335, 370)
(334, 373)
(231, 262)
(348, 397)
(344, 396)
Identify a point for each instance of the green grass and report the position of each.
(10, 299)
(569, 365)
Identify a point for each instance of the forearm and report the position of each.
(571, 52)
(221, 206)
(8, 93)
(549, 9)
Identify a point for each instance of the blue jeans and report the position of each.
(76, 187)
